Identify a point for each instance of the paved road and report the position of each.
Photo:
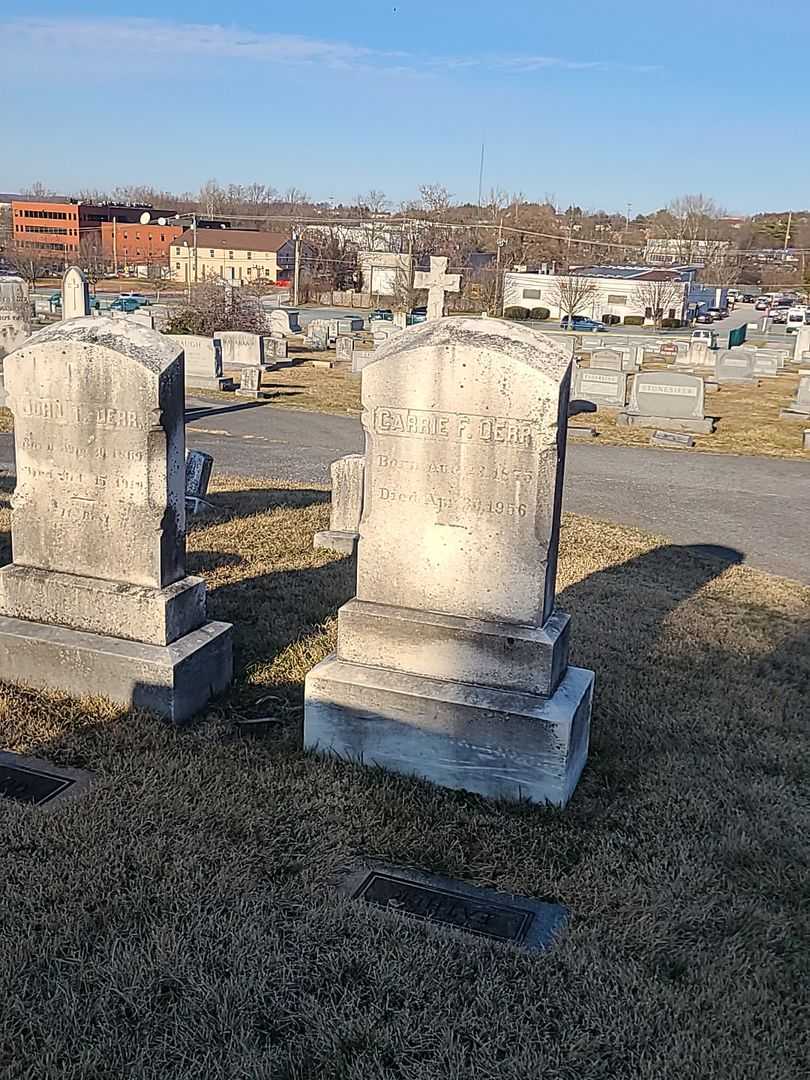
(761, 506)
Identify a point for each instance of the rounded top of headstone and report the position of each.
(481, 336)
(152, 350)
(74, 271)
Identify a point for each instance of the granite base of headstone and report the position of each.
(97, 600)
(669, 400)
(347, 506)
(452, 658)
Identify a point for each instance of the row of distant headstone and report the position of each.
(452, 657)
(675, 398)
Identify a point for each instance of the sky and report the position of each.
(586, 103)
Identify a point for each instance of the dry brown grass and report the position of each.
(180, 921)
(6, 419)
(747, 421)
(303, 386)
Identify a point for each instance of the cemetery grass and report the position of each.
(180, 920)
(303, 387)
(747, 422)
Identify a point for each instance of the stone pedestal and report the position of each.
(452, 660)
(97, 601)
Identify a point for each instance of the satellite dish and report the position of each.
(161, 221)
(146, 217)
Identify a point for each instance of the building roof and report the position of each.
(234, 239)
(634, 273)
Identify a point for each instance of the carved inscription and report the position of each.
(455, 427)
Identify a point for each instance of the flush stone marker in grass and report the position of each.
(452, 660)
(97, 601)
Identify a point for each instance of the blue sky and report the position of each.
(587, 102)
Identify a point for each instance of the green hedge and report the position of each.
(671, 324)
(539, 313)
(516, 313)
(634, 320)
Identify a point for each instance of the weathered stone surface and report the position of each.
(75, 294)
(203, 361)
(175, 681)
(671, 440)
(347, 505)
(799, 408)
(667, 399)
(240, 348)
(344, 349)
(99, 434)
(602, 387)
(14, 331)
(735, 366)
(198, 473)
(250, 382)
(275, 348)
(465, 423)
(97, 595)
(437, 282)
(279, 322)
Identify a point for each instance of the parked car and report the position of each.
(779, 315)
(127, 304)
(748, 298)
(142, 300)
(579, 322)
(717, 313)
(55, 299)
(709, 336)
(762, 304)
(382, 313)
(416, 315)
(704, 317)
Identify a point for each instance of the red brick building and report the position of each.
(49, 225)
(128, 244)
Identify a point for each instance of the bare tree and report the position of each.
(92, 258)
(657, 297)
(216, 305)
(692, 227)
(30, 262)
(404, 296)
(572, 293)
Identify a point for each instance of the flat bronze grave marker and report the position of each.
(483, 912)
(35, 783)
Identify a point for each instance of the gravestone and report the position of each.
(799, 408)
(203, 361)
(801, 344)
(700, 355)
(452, 659)
(607, 359)
(14, 330)
(766, 364)
(344, 350)
(347, 505)
(250, 381)
(97, 600)
(667, 399)
(280, 322)
(275, 348)
(346, 324)
(317, 335)
(437, 282)
(602, 387)
(75, 294)
(806, 440)
(672, 440)
(735, 366)
(240, 348)
(198, 473)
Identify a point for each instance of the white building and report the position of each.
(666, 252)
(611, 290)
(379, 271)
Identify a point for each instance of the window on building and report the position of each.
(210, 254)
(532, 294)
(230, 254)
(614, 298)
(250, 254)
(177, 266)
(648, 313)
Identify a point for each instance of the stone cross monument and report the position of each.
(452, 659)
(75, 294)
(437, 282)
(97, 600)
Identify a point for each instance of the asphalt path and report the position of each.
(760, 506)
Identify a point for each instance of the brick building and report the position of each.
(48, 225)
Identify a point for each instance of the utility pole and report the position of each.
(481, 179)
(499, 245)
(296, 265)
(194, 231)
(115, 245)
(787, 229)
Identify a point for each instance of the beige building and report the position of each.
(237, 255)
